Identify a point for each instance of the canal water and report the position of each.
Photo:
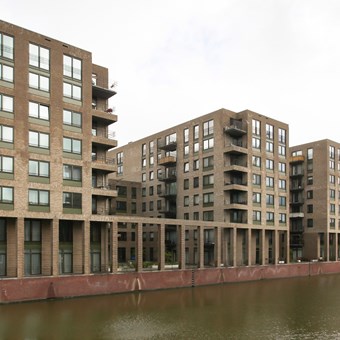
(299, 308)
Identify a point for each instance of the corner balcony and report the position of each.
(167, 161)
(297, 215)
(102, 92)
(236, 205)
(236, 165)
(105, 117)
(168, 177)
(103, 163)
(236, 129)
(104, 190)
(169, 146)
(104, 139)
(236, 148)
(297, 159)
(235, 185)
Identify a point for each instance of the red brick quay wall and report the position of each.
(41, 288)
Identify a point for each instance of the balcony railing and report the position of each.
(105, 134)
(103, 160)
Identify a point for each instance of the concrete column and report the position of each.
(276, 247)
(161, 246)
(55, 246)
(20, 229)
(201, 246)
(217, 247)
(181, 247)
(234, 245)
(327, 245)
(249, 246)
(263, 246)
(86, 252)
(287, 247)
(139, 250)
(114, 246)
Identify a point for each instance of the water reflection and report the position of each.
(303, 308)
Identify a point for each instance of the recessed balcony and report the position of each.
(103, 138)
(168, 160)
(236, 129)
(237, 148)
(105, 117)
(102, 92)
(104, 190)
(103, 163)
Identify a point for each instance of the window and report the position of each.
(256, 179)
(38, 168)
(256, 143)
(143, 192)
(208, 162)
(208, 216)
(332, 223)
(309, 180)
(143, 149)
(151, 146)
(151, 206)
(309, 208)
(39, 139)
(186, 135)
(196, 199)
(208, 181)
(151, 191)
(269, 199)
(170, 139)
(196, 183)
(151, 160)
(186, 184)
(331, 152)
(196, 147)
(208, 144)
(332, 164)
(144, 177)
(32, 238)
(6, 195)
(186, 201)
(6, 73)
(269, 164)
(186, 167)
(120, 156)
(257, 161)
(282, 150)
(39, 82)
(309, 194)
(270, 147)
(196, 131)
(39, 57)
(72, 118)
(282, 136)
(72, 91)
(309, 223)
(39, 111)
(72, 67)
(282, 201)
(6, 134)
(270, 217)
(6, 103)
(282, 167)
(143, 162)
(256, 127)
(332, 208)
(6, 46)
(332, 193)
(32, 231)
(256, 216)
(282, 184)
(208, 199)
(256, 197)
(151, 175)
(196, 217)
(186, 150)
(269, 131)
(208, 128)
(6, 164)
(332, 179)
(269, 182)
(310, 154)
(72, 200)
(72, 145)
(72, 172)
(282, 218)
(196, 164)
(38, 197)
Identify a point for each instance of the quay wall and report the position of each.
(42, 288)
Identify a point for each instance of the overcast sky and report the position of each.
(175, 60)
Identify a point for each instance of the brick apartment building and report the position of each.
(221, 167)
(54, 134)
(314, 200)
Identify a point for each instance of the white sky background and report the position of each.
(175, 60)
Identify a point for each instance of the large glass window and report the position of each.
(39, 57)
(208, 181)
(32, 247)
(40, 111)
(6, 73)
(282, 136)
(6, 46)
(72, 200)
(269, 131)
(6, 133)
(38, 168)
(208, 162)
(6, 164)
(72, 118)
(256, 127)
(6, 195)
(72, 145)
(39, 82)
(72, 91)
(72, 67)
(39, 139)
(72, 172)
(208, 128)
(6, 103)
(208, 144)
(196, 131)
(38, 197)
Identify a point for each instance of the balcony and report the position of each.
(102, 92)
(297, 201)
(236, 165)
(296, 159)
(105, 117)
(235, 185)
(104, 190)
(168, 146)
(296, 187)
(103, 138)
(236, 129)
(167, 194)
(236, 148)
(171, 176)
(297, 215)
(236, 204)
(167, 161)
(103, 163)
(102, 211)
